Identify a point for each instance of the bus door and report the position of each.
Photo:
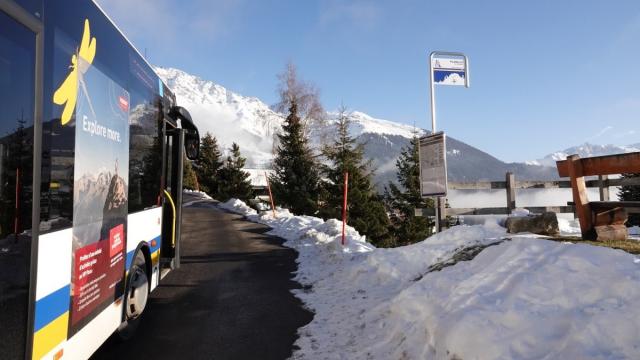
(181, 140)
(20, 106)
(172, 211)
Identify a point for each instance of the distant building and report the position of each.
(258, 179)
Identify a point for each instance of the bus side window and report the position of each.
(145, 153)
(17, 64)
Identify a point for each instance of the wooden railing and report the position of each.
(510, 185)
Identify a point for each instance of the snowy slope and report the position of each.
(228, 116)
(249, 121)
(585, 150)
(362, 123)
(521, 297)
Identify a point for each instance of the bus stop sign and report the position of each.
(433, 165)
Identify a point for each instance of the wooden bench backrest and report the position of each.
(604, 165)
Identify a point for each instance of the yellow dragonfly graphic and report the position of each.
(67, 93)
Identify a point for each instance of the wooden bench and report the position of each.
(600, 220)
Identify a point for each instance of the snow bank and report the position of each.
(521, 297)
(197, 195)
(238, 206)
(200, 194)
(520, 212)
(569, 226)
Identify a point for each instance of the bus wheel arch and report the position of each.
(137, 289)
(146, 252)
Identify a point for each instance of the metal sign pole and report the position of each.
(433, 95)
(438, 200)
(433, 130)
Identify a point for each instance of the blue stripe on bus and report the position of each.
(152, 249)
(129, 258)
(52, 306)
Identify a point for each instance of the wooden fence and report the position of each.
(510, 185)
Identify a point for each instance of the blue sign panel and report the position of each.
(449, 77)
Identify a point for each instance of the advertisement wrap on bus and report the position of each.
(100, 194)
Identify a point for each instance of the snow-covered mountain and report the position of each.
(253, 125)
(585, 150)
(227, 115)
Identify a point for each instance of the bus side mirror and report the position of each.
(192, 145)
(191, 134)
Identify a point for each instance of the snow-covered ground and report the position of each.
(522, 297)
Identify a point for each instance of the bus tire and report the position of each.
(135, 297)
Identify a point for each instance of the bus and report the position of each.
(92, 145)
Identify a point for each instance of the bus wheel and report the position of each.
(136, 296)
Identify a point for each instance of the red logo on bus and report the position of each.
(116, 240)
(124, 104)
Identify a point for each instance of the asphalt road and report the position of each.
(230, 299)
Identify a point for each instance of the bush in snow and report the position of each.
(630, 193)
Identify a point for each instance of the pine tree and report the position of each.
(404, 199)
(630, 193)
(208, 164)
(295, 180)
(189, 180)
(233, 181)
(366, 212)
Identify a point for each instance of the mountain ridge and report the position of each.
(584, 150)
(252, 124)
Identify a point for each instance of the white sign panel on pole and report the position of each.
(449, 71)
(433, 165)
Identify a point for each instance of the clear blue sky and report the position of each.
(545, 75)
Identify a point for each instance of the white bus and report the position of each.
(91, 151)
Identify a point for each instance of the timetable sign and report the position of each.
(433, 165)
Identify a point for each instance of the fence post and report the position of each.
(603, 186)
(344, 205)
(511, 191)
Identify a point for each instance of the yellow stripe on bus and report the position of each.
(50, 336)
(154, 257)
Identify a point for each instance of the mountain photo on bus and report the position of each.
(100, 202)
